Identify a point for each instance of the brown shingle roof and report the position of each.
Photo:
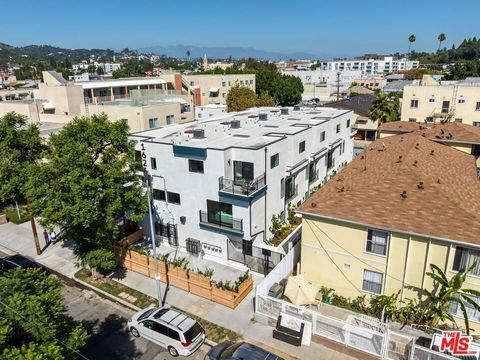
(442, 191)
(450, 131)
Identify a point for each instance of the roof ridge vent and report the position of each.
(432, 152)
(399, 159)
(403, 194)
(415, 163)
(420, 186)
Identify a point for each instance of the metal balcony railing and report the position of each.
(221, 220)
(241, 187)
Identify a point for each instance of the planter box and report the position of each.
(178, 277)
(230, 298)
(200, 285)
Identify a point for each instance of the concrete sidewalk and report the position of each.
(59, 257)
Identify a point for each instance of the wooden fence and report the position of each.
(190, 281)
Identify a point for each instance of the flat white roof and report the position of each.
(253, 132)
(121, 82)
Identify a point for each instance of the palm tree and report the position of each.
(188, 53)
(384, 108)
(445, 292)
(411, 39)
(441, 38)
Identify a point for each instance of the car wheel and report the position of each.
(134, 332)
(172, 351)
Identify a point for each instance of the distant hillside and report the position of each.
(469, 49)
(21, 54)
(179, 51)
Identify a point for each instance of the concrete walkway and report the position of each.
(59, 257)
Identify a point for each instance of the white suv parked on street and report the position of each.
(180, 334)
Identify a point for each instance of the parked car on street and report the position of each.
(240, 350)
(179, 333)
(16, 261)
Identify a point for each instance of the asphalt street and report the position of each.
(106, 321)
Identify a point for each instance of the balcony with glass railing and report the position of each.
(221, 221)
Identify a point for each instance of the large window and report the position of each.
(472, 313)
(377, 241)
(195, 166)
(445, 106)
(414, 104)
(464, 258)
(282, 188)
(372, 281)
(242, 172)
(170, 119)
(274, 160)
(219, 213)
(301, 147)
(158, 195)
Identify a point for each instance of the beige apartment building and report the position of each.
(429, 100)
(405, 203)
(144, 103)
(211, 88)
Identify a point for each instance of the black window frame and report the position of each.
(414, 103)
(153, 163)
(158, 194)
(171, 195)
(322, 136)
(274, 160)
(193, 166)
(338, 128)
(348, 123)
(301, 147)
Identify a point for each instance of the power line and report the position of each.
(50, 336)
(362, 261)
(333, 261)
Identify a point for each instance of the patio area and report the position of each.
(221, 272)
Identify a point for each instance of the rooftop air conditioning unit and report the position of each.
(198, 133)
(263, 116)
(296, 108)
(235, 124)
(284, 111)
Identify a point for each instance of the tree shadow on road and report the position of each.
(110, 339)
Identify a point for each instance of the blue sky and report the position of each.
(331, 28)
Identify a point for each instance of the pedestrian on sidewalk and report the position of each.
(46, 237)
(53, 237)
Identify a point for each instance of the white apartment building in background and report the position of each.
(108, 68)
(370, 66)
(217, 183)
(322, 84)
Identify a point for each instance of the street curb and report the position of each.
(106, 294)
(125, 303)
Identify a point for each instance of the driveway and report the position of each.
(106, 322)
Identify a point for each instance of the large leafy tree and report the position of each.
(81, 186)
(384, 108)
(240, 98)
(34, 323)
(20, 147)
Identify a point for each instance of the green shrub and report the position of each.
(12, 215)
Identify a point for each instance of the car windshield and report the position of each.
(228, 352)
(20, 261)
(146, 314)
(193, 332)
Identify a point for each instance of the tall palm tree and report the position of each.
(441, 38)
(445, 292)
(188, 53)
(411, 39)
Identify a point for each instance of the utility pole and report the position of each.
(338, 85)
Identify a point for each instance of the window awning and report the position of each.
(214, 89)
(48, 105)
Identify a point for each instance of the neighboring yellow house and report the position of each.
(431, 100)
(460, 136)
(405, 203)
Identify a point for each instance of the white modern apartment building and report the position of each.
(322, 84)
(108, 68)
(370, 66)
(217, 183)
